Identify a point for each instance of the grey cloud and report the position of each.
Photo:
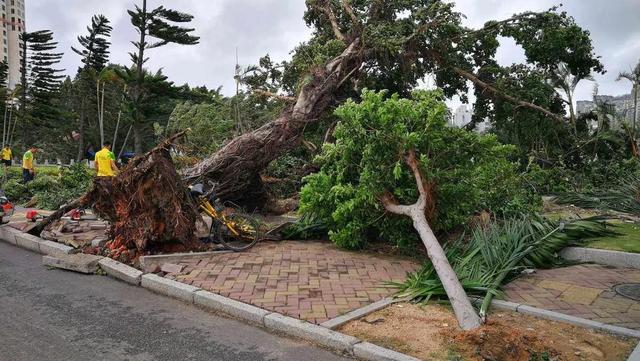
(258, 27)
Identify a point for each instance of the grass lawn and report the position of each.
(628, 241)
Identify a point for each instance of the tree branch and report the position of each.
(491, 89)
(269, 94)
(349, 10)
(391, 205)
(326, 9)
(412, 162)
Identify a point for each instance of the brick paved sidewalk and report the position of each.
(584, 291)
(313, 281)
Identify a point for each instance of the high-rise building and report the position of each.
(13, 24)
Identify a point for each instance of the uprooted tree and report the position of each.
(391, 45)
(147, 204)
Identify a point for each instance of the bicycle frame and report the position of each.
(206, 206)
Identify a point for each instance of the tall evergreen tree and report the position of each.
(95, 45)
(157, 27)
(40, 81)
(94, 50)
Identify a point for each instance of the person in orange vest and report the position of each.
(106, 162)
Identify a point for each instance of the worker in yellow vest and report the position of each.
(28, 168)
(106, 162)
(6, 155)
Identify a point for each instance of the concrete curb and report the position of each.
(635, 355)
(561, 317)
(237, 309)
(310, 332)
(32, 243)
(29, 242)
(601, 256)
(168, 287)
(121, 271)
(49, 247)
(8, 234)
(369, 351)
(356, 314)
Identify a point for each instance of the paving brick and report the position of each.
(308, 278)
(586, 293)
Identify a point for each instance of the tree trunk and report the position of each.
(236, 167)
(572, 113)
(465, 314)
(137, 139)
(81, 133)
(635, 108)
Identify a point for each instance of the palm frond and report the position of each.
(497, 253)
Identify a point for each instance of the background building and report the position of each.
(623, 104)
(12, 16)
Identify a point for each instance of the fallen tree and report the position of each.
(391, 45)
(147, 204)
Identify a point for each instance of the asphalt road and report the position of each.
(58, 315)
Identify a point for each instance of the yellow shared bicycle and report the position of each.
(230, 227)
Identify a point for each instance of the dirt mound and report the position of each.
(497, 340)
(431, 333)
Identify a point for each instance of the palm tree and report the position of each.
(634, 77)
(565, 82)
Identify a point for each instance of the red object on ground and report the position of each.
(76, 214)
(7, 208)
(32, 216)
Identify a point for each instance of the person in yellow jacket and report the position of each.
(106, 162)
(28, 169)
(6, 155)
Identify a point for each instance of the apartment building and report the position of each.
(13, 24)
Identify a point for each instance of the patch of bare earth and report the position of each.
(431, 333)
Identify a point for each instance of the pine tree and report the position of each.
(95, 46)
(40, 81)
(94, 50)
(157, 28)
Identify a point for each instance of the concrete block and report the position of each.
(242, 311)
(310, 332)
(635, 355)
(49, 247)
(168, 287)
(356, 314)
(370, 352)
(27, 241)
(171, 268)
(99, 242)
(601, 256)
(120, 271)
(80, 262)
(8, 234)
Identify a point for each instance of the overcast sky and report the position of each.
(257, 27)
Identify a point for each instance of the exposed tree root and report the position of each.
(147, 204)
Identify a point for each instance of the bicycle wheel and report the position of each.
(240, 232)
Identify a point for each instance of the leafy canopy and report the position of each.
(468, 172)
